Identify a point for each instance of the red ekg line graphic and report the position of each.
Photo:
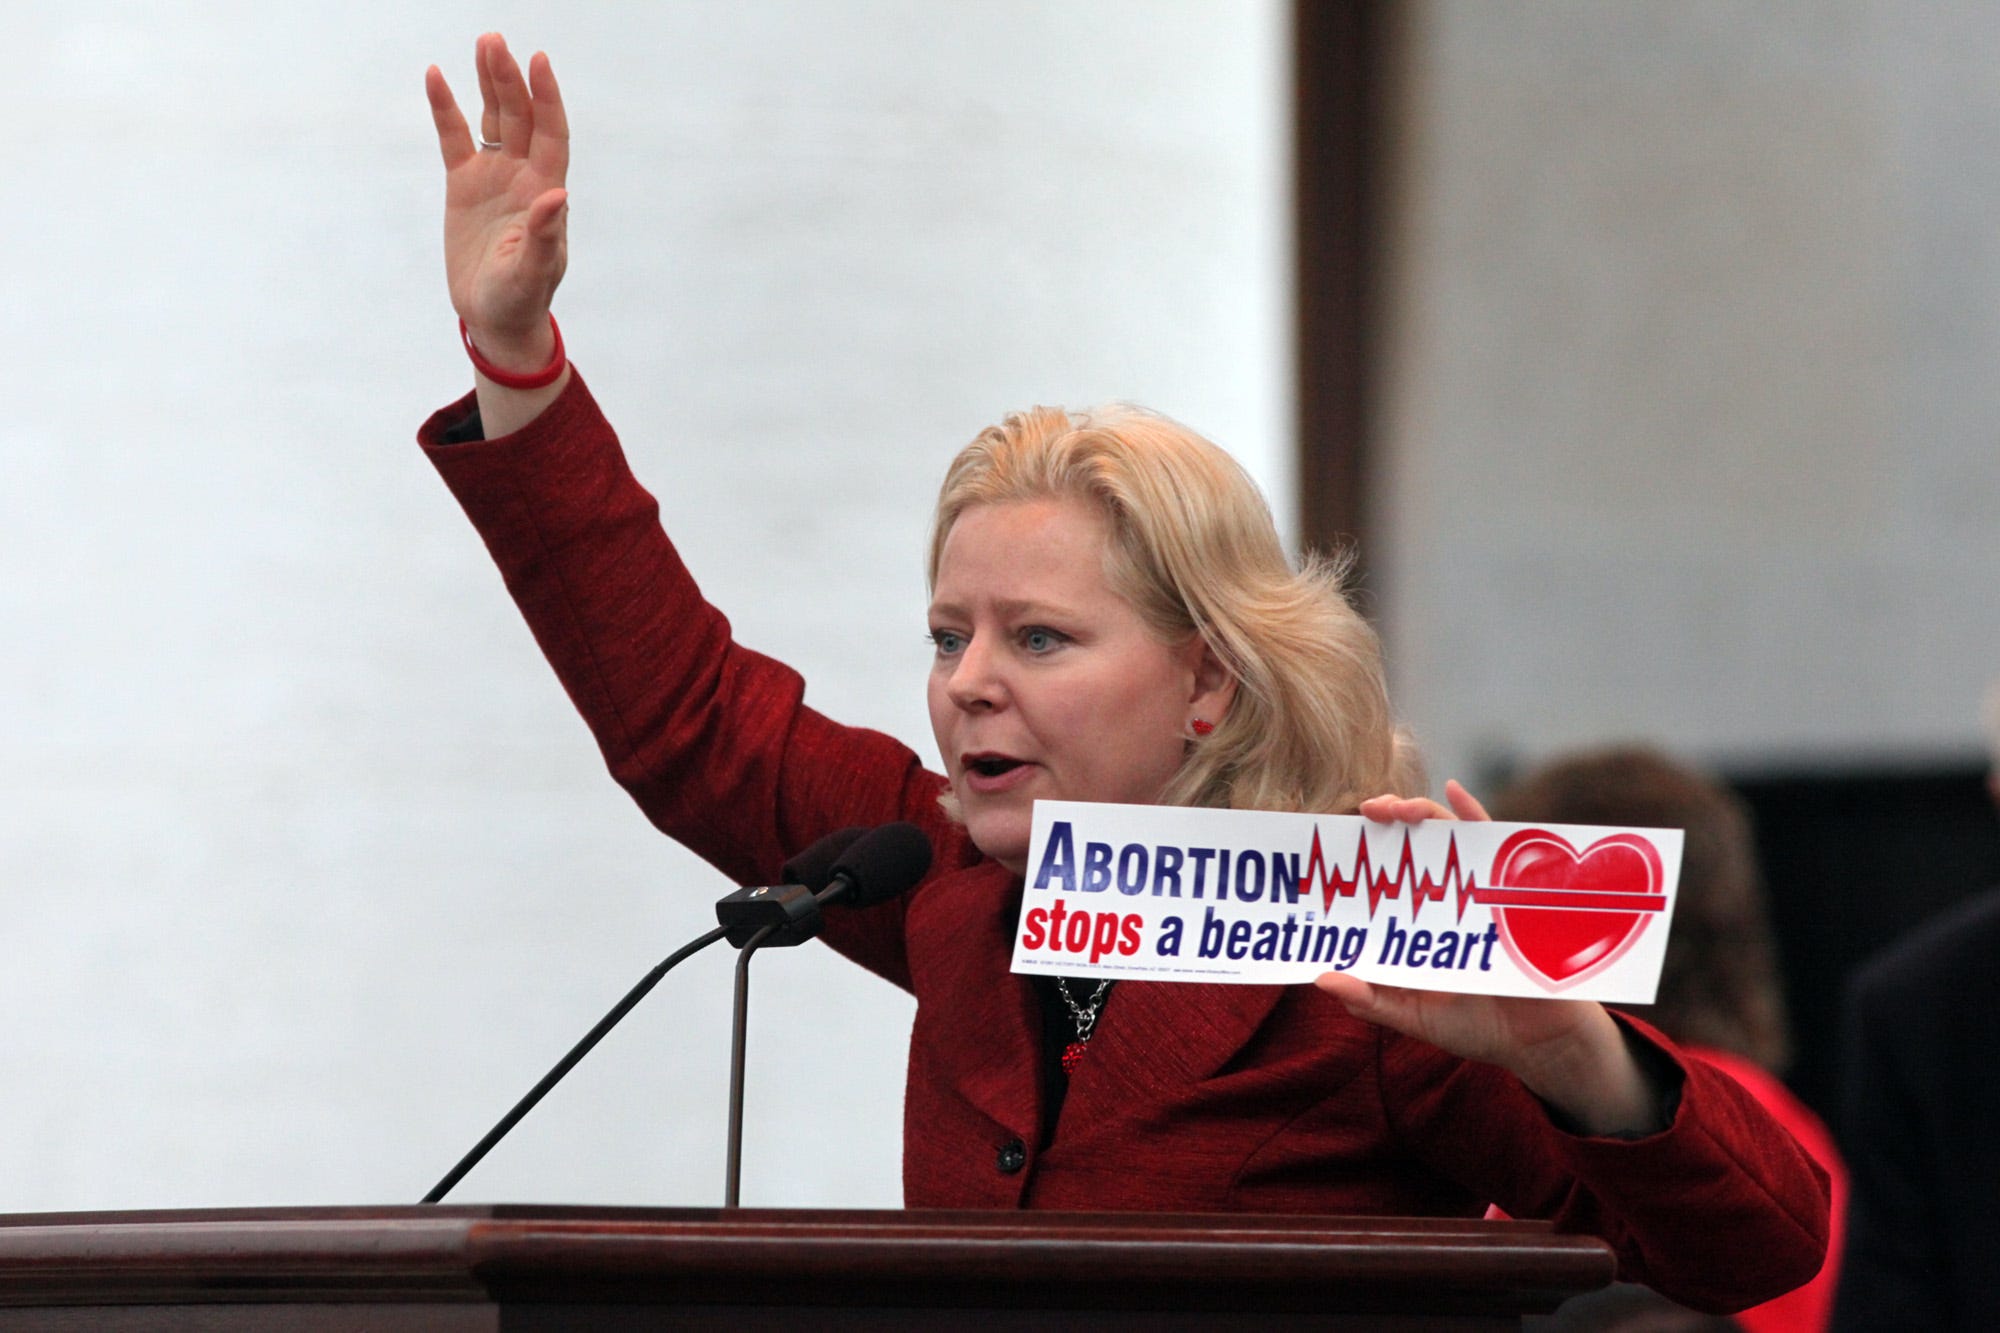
(1331, 883)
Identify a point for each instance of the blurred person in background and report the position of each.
(1720, 995)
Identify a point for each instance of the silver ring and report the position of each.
(484, 144)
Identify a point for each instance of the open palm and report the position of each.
(504, 222)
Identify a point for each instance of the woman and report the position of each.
(1113, 621)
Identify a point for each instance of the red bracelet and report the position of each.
(507, 379)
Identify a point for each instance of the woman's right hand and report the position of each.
(505, 210)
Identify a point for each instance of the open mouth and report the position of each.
(991, 765)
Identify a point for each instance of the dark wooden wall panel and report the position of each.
(1342, 60)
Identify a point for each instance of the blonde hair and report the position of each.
(1194, 551)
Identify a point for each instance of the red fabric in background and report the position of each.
(1807, 1309)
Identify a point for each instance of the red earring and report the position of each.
(1202, 726)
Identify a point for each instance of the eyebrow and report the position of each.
(1011, 608)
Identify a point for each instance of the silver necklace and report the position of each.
(1086, 1020)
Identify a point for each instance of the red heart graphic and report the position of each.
(1563, 945)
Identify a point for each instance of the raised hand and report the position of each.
(505, 215)
(1571, 1053)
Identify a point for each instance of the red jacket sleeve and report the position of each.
(1720, 1210)
(711, 739)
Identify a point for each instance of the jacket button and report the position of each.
(1012, 1157)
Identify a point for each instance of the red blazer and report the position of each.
(1197, 1098)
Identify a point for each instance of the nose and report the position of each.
(976, 678)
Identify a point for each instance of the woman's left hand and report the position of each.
(1570, 1053)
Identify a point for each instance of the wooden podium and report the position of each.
(506, 1267)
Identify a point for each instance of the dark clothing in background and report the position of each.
(1922, 1130)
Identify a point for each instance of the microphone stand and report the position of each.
(568, 1062)
(732, 1188)
(779, 915)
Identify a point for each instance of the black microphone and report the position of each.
(813, 867)
(853, 867)
(866, 869)
(882, 864)
(791, 908)
(824, 853)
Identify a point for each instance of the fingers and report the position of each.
(510, 90)
(1463, 803)
(550, 150)
(1391, 1006)
(489, 98)
(454, 139)
(523, 114)
(545, 212)
(544, 238)
(1351, 991)
(1392, 809)
(1381, 809)
(1389, 808)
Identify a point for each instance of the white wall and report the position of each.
(306, 869)
(1692, 403)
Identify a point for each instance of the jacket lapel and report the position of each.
(1157, 1038)
(1154, 1038)
(991, 1054)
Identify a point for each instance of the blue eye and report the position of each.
(946, 641)
(1039, 640)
